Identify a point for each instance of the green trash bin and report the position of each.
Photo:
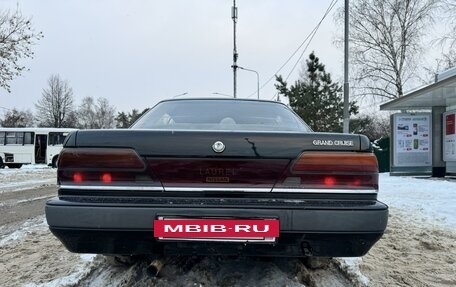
(382, 152)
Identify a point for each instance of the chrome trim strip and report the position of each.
(328, 190)
(208, 189)
(107, 187)
(262, 239)
(247, 189)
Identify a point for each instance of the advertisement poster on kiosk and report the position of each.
(412, 140)
(449, 133)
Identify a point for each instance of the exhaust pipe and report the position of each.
(306, 249)
(154, 267)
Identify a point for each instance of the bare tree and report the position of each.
(105, 114)
(448, 60)
(86, 114)
(17, 119)
(445, 62)
(99, 115)
(16, 39)
(449, 8)
(55, 108)
(448, 41)
(386, 40)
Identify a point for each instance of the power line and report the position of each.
(310, 35)
(331, 6)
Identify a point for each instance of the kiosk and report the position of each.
(434, 109)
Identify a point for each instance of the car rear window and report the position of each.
(233, 115)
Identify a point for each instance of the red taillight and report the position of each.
(106, 177)
(335, 162)
(94, 166)
(77, 177)
(110, 158)
(330, 180)
(357, 182)
(332, 170)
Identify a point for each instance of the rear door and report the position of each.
(40, 148)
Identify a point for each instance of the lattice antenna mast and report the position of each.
(234, 16)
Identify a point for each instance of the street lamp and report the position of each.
(258, 79)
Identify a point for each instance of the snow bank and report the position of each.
(28, 227)
(82, 269)
(432, 200)
(350, 266)
(12, 180)
(35, 166)
(39, 259)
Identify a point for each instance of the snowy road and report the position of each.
(418, 248)
(16, 207)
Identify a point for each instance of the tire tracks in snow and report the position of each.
(19, 206)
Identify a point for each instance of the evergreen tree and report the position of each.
(122, 120)
(125, 120)
(316, 98)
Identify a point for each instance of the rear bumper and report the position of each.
(312, 228)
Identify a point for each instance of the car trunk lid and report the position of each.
(188, 160)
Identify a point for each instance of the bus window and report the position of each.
(20, 138)
(10, 138)
(28, 138)
(13, 138)
(2, 138)
(57, 138)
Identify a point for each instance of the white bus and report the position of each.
(20, 146)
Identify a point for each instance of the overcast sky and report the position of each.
(136, 53)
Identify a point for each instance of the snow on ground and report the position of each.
(39, 259)
(351, 267)
(430, 199)
(202, 271)
(412, 252)
(419, 244)
(418, 249)
(28, 176)
(30, 226)
(83, 268)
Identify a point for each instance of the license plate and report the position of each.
(210, 229)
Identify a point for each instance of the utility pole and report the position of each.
(234, 16)
(346, 83)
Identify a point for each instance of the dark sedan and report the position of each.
(217, 176)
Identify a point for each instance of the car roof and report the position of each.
(221, 99)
